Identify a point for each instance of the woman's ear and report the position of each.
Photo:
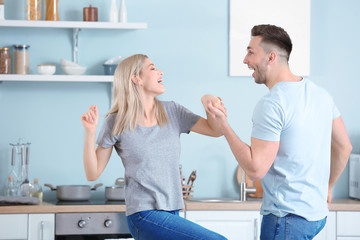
(135, 79)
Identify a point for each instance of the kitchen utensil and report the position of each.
(116, 192)
(191, 179)
(46, 69)
(73, 192)
(241, 177)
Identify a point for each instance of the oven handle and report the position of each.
(42, 230)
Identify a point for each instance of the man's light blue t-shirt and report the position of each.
(299, 115)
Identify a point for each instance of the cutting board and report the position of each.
(249, 183)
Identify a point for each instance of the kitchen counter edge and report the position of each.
(45, 207)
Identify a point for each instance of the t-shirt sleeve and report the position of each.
(105, 138)
(267, 120)
(336, 112)
(186, 118)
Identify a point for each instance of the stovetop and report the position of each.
(89, 202)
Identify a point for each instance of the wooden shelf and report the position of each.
(71, 24)
(56, 78)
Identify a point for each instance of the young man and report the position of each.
(299, 144)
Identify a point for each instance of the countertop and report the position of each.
(45, 207)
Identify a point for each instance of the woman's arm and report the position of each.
(94, 161)
(209, 126)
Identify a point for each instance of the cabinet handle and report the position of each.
(42, 230)
(255, 229)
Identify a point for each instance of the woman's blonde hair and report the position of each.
(127, 101)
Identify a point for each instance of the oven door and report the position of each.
(99, 226)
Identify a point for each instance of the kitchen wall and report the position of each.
(188, 40)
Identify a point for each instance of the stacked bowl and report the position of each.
(72, 68)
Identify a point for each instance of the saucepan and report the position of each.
(116, 192)
(73, 192)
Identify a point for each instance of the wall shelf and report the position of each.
(76, 26)
(72, 24)
(55, 78)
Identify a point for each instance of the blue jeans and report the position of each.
(158, 225)
(289, 227)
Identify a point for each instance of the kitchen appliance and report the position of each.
(85, 226)
(354, 176)
(91, 225)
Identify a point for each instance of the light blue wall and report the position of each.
(188, 40)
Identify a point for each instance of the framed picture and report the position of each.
(292, 15)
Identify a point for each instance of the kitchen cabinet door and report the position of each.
(348, 224)
(13, 226)
(41, 227)
(233, 225)
(329, 231)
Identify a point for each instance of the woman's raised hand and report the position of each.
(91, 118)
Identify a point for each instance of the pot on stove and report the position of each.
(73, 192)
(116, 192)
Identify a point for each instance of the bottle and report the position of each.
(33, 9)
(123, 12)
(52, 10)
(21, 59)
(2, 10)
(11, 189)
(36, 190)
(26, 185)
(113, 15)
(5, 60)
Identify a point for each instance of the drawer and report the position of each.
(13, 226)
(348, 224)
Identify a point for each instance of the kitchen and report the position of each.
(192, 50)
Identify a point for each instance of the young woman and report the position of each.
(146, 135)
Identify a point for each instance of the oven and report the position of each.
(94, 226)
(91, 225)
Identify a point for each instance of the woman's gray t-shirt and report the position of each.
(151, 156)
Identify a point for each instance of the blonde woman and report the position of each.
(146, 135)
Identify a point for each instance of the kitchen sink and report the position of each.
(224, 200)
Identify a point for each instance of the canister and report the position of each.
(90, 14)
(33, 9)
(52, 10)
(21, 59)
(5, 61)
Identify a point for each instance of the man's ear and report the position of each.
(272, 57)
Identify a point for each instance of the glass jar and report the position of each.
(52, 11)
(21, 59)
(5, 61)
(33, 9)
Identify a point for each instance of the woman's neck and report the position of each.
(148, 119)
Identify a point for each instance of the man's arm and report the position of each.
(340, 152)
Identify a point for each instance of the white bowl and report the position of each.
(46, 69)
(65, 62)
(71, 70)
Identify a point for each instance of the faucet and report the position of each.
(243, 189)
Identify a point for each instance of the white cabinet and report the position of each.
(27, 226)
(231, 224)
(41, 227)
(13, 226)
(329, 231)
(348, 225)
